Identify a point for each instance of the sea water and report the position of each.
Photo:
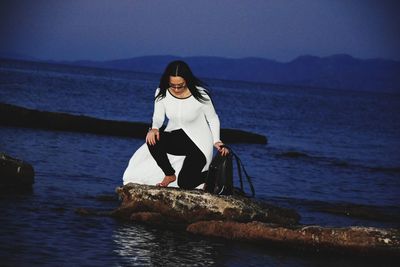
(325, 148)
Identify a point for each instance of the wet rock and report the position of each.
(83, 212)
(188, 206)
(92, 212)
(240, 218)
(15, 173)
(106, 198)
(387, 214)
(152, 218)
(365, 240)
(367, 212)
(22, 117)
(239, 136)
(294, 154)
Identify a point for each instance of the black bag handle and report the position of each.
(240, 166)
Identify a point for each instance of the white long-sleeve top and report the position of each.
(198, 120)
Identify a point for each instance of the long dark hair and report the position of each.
(181, 69)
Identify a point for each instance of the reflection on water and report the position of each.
(132, 243)
(140, 245)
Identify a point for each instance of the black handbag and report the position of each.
(220, 175)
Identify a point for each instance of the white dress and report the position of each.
(198, 120)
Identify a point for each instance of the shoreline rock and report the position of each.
(16, 116)
(188, 206)
(384, 214)
(361, 240)
(15, 173)
(240, 218)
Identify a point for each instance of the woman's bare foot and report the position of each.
(167, 180)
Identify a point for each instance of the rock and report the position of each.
(364, 240)
(22, 117)
(92, 212)
(389, 214)
(188, 206)
(239, 136)
(153, 218)
(15, 173)
(240, 218)
(83, 211)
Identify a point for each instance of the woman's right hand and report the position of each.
(152, 136)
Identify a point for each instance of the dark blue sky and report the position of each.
(276, 29)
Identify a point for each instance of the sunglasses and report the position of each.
(177, 86)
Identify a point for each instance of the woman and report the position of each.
(186, 144)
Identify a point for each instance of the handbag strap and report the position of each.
(240, 166)
(240, 163)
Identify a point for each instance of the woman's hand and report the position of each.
(152, 136)
(223, 150)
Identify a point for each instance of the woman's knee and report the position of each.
(197, 158)
(184, 182)
(154, 147)
(191, 174)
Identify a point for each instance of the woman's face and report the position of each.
(177, 84)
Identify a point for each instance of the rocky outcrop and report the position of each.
(22, 117)
(240, 218)
(188, 206)
(15, 173)
(366, 240)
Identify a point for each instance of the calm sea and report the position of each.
(326, 148)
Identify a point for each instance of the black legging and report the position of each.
(178, 143)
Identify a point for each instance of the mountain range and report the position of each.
(339, 71)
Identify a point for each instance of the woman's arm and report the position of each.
(159, 112)
(158, 119)
(212, 119)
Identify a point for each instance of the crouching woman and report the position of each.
(193, 130)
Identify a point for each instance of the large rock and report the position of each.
(240, 218)
(365, 240)
(188, 206)
(15, 173)
(23, 117)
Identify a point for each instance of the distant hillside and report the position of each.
(337, 71)
(17, 56)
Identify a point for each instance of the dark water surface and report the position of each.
(326, 147)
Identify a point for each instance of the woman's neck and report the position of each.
(184, 94)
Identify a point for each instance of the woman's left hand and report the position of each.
(223, 150)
